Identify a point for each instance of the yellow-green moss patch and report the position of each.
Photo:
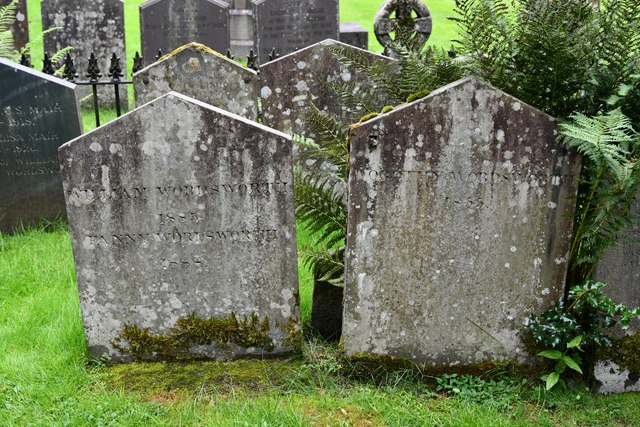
(368, 117)
(418, 95)
(194, 46)
(625, 353)
(386, 109)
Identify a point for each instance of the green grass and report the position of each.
(47, 380)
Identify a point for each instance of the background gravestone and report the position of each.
(20, 28)
(199, 72)
(460, 208)
(181, 208)
(88, 26)
(241, 23)
(38, 113)
(619, 268)
(354, 34)
(288, 25)
(169, 24)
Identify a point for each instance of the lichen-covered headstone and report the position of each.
(197, 71)
(459, 222)
(291, 83)
(38, 113)
(289, 25)
(618, 370)
(20, 27)
(183, 234)
(168, 24)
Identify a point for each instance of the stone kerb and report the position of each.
(204, 74)
(291, 83)
(460, 208)
(182, 219)
(38, 113)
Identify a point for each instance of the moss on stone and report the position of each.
(294, 334)
(192, 331)
(194, 46)
(418, 95)
(625, 353)
(368, 117)
(386, 109)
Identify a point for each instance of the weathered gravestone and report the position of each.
(460, 210)
(354, 34)
(183, 233)
(288, 25)
(291, 83)
(20, 27)
(619, 369)
(38, 113)
(169, 24)
(197, 71)
(89, 26)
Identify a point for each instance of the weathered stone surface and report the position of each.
(20, 28)
(169, 24)
(288, 25)
(619, 268)
(38, 113)
(176, 208)
(460, 210)
(354, 34)
(88, 26)
(291, 83)
(196, 71)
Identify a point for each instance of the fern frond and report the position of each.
(7, 18)
(326, 266)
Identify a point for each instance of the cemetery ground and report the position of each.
(46, 378)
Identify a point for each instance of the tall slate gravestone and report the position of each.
(38, 113)
(89, 26)
(459, 222)
(287, 25)
(354, 34)
(291, 83)
(183, 233)
(169, 24)
(199, 72)
(241, 23)
(20, 28)
(619, 268)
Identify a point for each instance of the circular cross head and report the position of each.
(404, 21)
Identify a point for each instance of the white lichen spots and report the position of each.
(508, 155)
(524, 160)
(298, 121)
(438, 128)
(545, 291)
(174, 302)
(346, 76)
(115, 148)
(477, 131)
(508, 165)
(507, 265)
(495, 236)
(196, 158)
(537, 263)
(302, 86)
(287, 112)
(106, 183)
(555, 181)
(513, 249)
(552, 205)
(204, 147)
(420, 141)
(95, 147)
(516, 106)
(301, 65)
(476, 237)
(500, 135)
(560, 260)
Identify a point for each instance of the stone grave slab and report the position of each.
(38, 113)
(460, 209)
(291, 83)
(197, 71)
(619, 268)
(183, 231)
(354, 34)
(289, 25)
(20, 27)
(169, 24)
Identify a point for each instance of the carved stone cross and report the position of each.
(404, 21)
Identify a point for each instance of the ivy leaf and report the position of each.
(552, 379)
(571, 363)
(551, 354)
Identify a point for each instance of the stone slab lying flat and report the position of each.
(460, 209)
(183, 229)
(38, 113)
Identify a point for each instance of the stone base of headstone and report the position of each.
(326, 310)
(354, 34)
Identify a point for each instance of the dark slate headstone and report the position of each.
(619, 268)
(291, 83)
(20, 28)
(459, 225)
(354, 34)
(38, 113)
(288, 25)
(197, 71)
(169, 24)
(182, 219)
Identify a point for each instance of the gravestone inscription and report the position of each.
(183, 230)
(38, 113)
(169, 24)
(197, 71)
(460, 209)
(619, 268)
(288, 25)
(20, 27)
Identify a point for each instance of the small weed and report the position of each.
(498, 393)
